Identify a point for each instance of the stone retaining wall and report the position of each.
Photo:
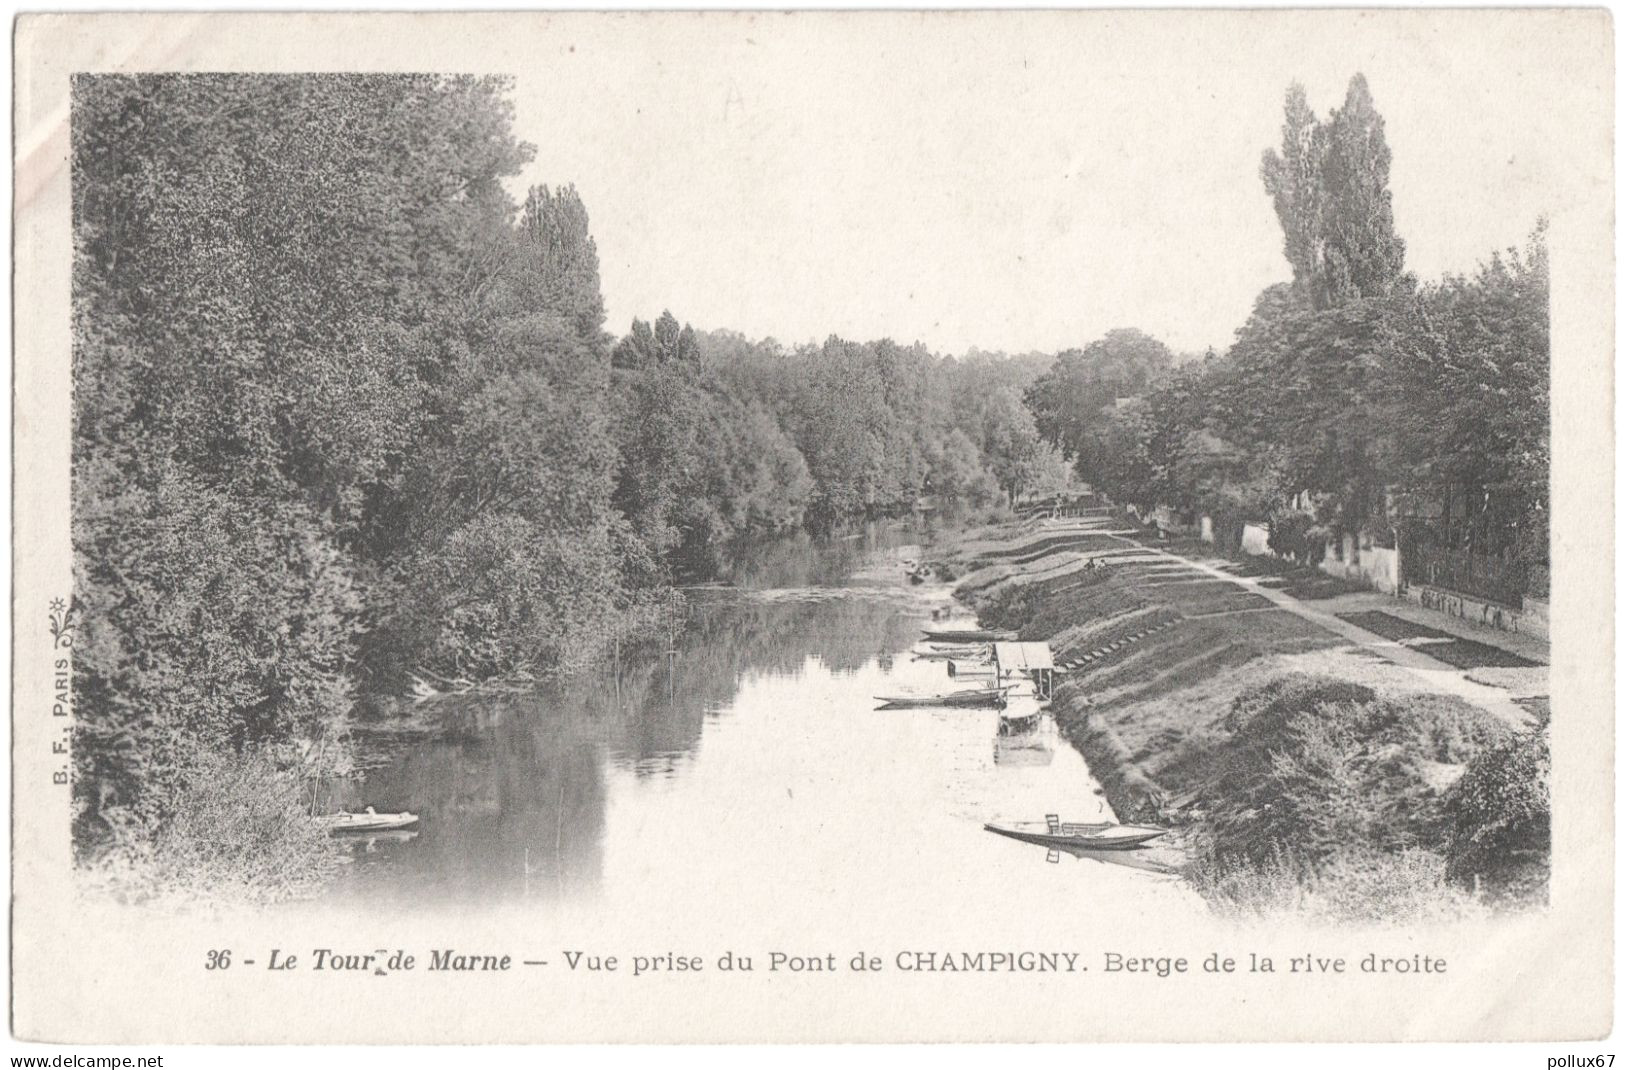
(1531, 620)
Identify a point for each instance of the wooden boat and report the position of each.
(963, 635)
(1104, 836)
(370, 820)
(975, 697)
(961, 667)
(1022, 715)
(957, 653)
(371, 839)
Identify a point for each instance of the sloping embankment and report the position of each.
(1203, 705)
(1154, 650)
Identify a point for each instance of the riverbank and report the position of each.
(1316, 751)
(469, 756)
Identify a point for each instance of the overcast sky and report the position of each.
(1013, 185)
(1002, 180)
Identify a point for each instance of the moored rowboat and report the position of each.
(370, 820)
(979, 651)
(1104, 836)
(963, 667)
(970, 697)
(963, 635)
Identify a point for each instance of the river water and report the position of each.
(751, 765)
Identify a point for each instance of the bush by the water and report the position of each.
(241, 831)
(1352, 805)
(1322, 766)
(1500, 819)
(1351, 886)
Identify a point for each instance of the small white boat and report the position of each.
(1102, 836)
(969, 668)
(370, 820)
(960, 653)
(970, 697)
(964, 635)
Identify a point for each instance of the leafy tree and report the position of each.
(665, 342)
(1499, 821)
(255, 311)
(1072, 402)
(638, 349)
(1329, 183)
(956, 470)
(555, 271)
(1364, 258)
(1011, 447)
(1151, 456)
(702, 462)
(841, 429)
(1302, 389)
(1469, 403)
(511, 559)
(1293, 179)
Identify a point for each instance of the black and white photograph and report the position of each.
(869, 520)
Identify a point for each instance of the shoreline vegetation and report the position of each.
(1302, 773)
(348, 423)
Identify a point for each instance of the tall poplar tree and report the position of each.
(1364, 258)
(1329, 184)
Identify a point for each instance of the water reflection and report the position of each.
(1025, 742)
(801, 561)
(511, 794)
(512, 787)
(1145, 859)
(645, 787)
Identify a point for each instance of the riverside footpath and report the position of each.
(1503, 673)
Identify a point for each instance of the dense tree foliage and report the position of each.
(1498, 817)
(723, 437)
(1469, 398)
(1352, 400)
(1329, 182)
(1075, 402)
(260, 317)
(346, 413)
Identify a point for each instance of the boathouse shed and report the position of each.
(1031, 659)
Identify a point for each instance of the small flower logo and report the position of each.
(63, 621)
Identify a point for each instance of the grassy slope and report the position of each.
(1151, 711)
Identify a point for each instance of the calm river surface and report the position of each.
(751, 765)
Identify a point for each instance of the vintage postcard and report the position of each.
(813, 527)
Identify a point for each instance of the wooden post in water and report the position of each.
(671, 652)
